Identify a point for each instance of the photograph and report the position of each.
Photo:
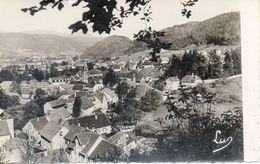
(129, 81)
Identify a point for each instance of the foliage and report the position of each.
(150, 101)
(6, 75)
(110, 78)
(26, 150)
(31, 111)
(7, 101)
(41, 97)
(205, 66)
(76, 107)
(122, 90)
(116, 154)
(38, 74)
(107, 15)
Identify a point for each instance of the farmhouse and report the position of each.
(98, 123)
(33, 127)
(52, 105)
(52, 135)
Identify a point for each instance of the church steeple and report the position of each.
(85, 72)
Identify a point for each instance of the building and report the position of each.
(97, 123)
(119, 139)
(111, 96)
(191, 80)
(172, 83)
(60, 79)
(52, 135)
(33, 127)
(83, 145)
(6, 131)
(52, 105)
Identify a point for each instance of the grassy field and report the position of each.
(228, 97)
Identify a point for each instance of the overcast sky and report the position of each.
(166, 13)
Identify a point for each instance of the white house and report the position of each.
(82, 144)
(119, 139)
(172, 83)
(52, 136)
(191, 80)
(101, 101)
(111, 96)
(33, 127)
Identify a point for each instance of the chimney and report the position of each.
(96, 116)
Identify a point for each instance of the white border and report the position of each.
(250, 60)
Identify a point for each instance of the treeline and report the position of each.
(208, 66)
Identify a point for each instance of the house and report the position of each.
(83, 145)
(172, 83)
(98, 123)
(52, 105)
(60, 79)
(88, 106)
(101, 101)
(111, 96)
(140, 91)
(119, 139)
(52, 135)
(165, 60)
(1, 112)
(33, 127)
(6, 86)
(6, 131)
(94, 73)
(191, 80)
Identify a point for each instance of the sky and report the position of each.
(166, 13)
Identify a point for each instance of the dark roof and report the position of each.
(91, 122)
(57, 103)
(50, 130)
(100, 96)
(109, 92)
(115, 137)
(86, 103)
(39, 123)
(102, 149)
(88, 139)
(73, 131)
(95, 72)
(4, 129)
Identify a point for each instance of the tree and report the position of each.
(110, 78)
(175, 67)
(107, 15)
(228, 64)
(122, 90)
(90, 65)
(15, 87)
(27, 150)
(236, 57)
(215, 65)
(76, 111)
(38, 74)
(7, 101)
(6, 75)
(150, 101)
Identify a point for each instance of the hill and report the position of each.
(43, 44)
(113, 46)
(223, 29)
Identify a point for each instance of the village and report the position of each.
(77, 113)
